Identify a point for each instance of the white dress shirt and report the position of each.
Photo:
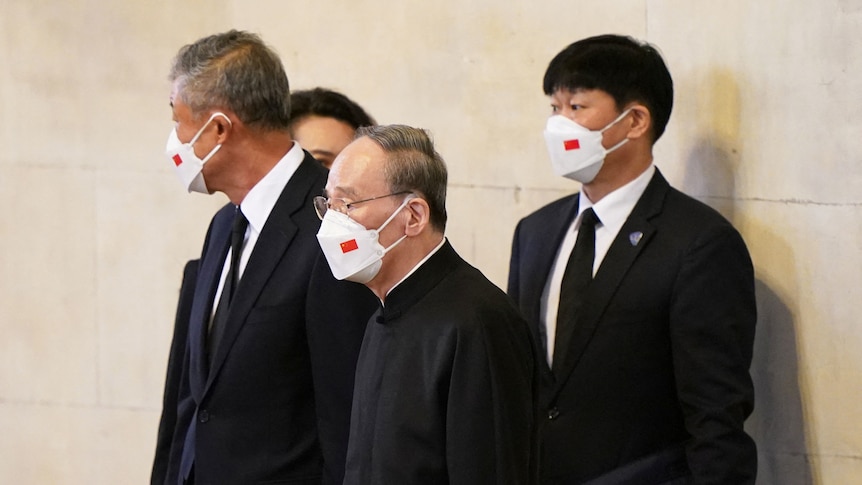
(612, 211)
(256, 206)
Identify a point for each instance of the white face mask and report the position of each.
(576, 151)
(187, 165)
(353, 252)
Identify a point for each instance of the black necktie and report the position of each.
(240, 223)
(578, 275)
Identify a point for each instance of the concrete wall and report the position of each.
(94, 227)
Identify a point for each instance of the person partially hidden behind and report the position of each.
(174, 373)
(247, 402)
(323, 122)
(641, 298)
(444, 380)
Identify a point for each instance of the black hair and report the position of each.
(413, 165)
(628, 70)
(330, 104)
(234, 70)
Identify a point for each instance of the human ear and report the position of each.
(641, 121)
(224, 127)
(419, 216)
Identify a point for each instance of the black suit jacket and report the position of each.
(336, 320)
(168, 420)
(658, 359)
(444, 384)
(254, 410)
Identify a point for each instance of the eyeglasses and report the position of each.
(322, 204)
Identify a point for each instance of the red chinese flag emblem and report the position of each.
(571, 144)
(348, 246)
(177, 160)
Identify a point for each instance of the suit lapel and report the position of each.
(632, 238)
(278, 231)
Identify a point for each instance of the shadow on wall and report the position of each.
(776, 424)
(715, 155)
(709, 176)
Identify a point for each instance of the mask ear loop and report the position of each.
(609, 150)
(612, 123)
(382, 226)
(617, 120)
(200, 132)
(403, 205)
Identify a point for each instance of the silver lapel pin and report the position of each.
(635, 237)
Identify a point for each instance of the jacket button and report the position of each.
(553, 413)
(203, 416)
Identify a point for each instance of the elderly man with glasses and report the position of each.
(443, 390)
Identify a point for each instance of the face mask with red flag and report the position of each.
(187, 165)
(577, 152)
(353, 252)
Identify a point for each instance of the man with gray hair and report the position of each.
(444, 381)
(246, 404)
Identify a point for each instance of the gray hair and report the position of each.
(237, 71)
(412, 165)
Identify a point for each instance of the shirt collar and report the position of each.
(420, 263)
(614, 208)
(260, 200)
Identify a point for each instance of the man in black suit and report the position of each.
(444, 378)
(246, 403)
(645, 359)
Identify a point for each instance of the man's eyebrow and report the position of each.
(347, 191)
(323, 152)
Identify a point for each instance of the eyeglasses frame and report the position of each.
(325, 202)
